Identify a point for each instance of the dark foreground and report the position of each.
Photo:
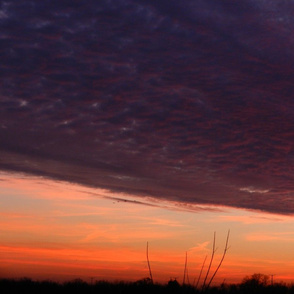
(25, 285)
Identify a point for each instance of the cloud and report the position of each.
(200, 247)
(253, 190)
(285, 236)
(256, 219)
(186, 101)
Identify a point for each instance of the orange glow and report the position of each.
(62, 231)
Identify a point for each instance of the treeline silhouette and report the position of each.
(255, 284)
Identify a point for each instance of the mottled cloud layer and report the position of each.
(184, 100)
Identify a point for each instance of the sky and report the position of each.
(174, 115)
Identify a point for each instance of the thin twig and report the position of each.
(188, 279)
(211, 259)
(201, 271)
(185, 270)
(224, 254)
(150, 273)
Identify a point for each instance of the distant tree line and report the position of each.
(254, 284)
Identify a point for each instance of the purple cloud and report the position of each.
(190, 101)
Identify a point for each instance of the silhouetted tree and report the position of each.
(255, 283)
(144, 281)
(173, 285)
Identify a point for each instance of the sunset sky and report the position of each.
(124, 122)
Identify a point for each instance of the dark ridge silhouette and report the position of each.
(255, 284)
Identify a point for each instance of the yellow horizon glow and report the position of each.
(61, 231)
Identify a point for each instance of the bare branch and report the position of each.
(185, 270)
(150, 273)
(221, 261)
(211, 259)
(201, 272)
(188, 279)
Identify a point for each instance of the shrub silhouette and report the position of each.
(255, 283)
(173, 283)
(144, 282)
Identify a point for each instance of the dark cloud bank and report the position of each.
(185, 100)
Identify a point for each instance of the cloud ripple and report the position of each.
(189, 101)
